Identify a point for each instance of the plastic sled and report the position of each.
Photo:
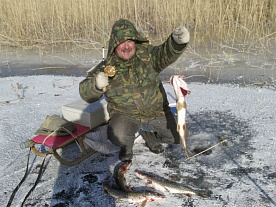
(57, 142)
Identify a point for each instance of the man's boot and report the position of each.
(152, 142)
(125, 154)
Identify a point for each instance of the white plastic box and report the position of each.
(86, 114)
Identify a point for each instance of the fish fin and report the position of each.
(185, 105)
(144, 203)
(188, 195)
(181, 105)
(184, 127)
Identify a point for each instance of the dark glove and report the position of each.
(152, 142)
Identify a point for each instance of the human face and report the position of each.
(126, 49)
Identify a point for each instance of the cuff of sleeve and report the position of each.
(100, 90)
(176, 46)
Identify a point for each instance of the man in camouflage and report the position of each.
(136, 97)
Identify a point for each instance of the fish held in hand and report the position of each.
(181, 90)
(119, 175)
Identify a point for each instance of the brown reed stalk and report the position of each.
(32, 22)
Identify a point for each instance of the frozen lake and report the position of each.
(235, 64)
(242, 174)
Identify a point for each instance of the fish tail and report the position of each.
(183, 141)
(204, 193)
(181, 105)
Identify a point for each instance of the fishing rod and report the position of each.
(109, 70)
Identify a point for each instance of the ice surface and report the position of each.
(241, 174)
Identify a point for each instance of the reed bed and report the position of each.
(28, 23)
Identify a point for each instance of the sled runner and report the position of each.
(54, 143)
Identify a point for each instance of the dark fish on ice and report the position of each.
(166, 185)
(133, 196)
(119, 175)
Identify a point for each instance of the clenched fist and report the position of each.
(181, 35)
(101, 80)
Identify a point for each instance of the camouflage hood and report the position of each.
(123, 30)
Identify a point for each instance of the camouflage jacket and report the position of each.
(136, 89)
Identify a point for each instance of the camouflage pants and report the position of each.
(121, 130)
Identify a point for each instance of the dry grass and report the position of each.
(30, 23)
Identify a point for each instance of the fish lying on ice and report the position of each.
(166, 185)
(133, 196)
(181, 90)
(119, 175)
(124, 192)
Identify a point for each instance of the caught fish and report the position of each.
(133, 196)
(181, 90)
(166, 185)
(119, 175)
